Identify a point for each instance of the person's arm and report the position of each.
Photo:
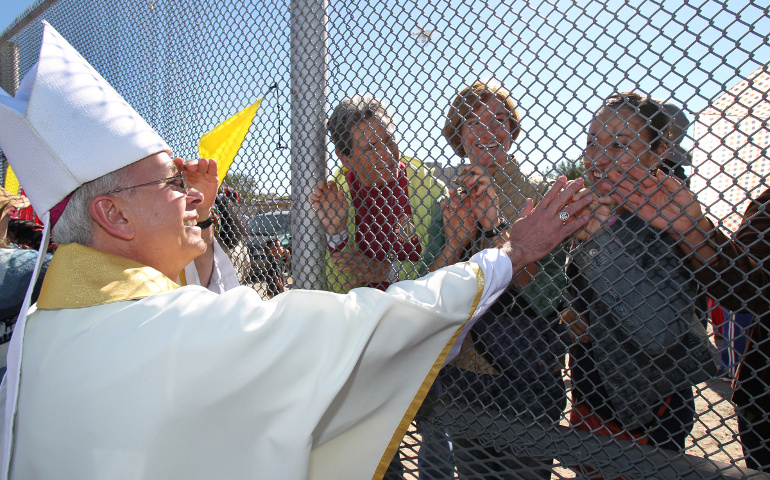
(202, 175)
(736, 275)
(730, 270)
(667, 205)
(545, 280)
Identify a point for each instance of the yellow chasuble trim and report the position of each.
(80, 276)
(406, 420)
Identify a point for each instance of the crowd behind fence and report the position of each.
(397, 137)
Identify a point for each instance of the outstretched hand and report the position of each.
(539, 229)
(480, 188)
(367, 270)
(600, 211)
(660, 199)
(331, 206)
(201, 174)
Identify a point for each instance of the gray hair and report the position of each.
(76, 224)
(349, 112)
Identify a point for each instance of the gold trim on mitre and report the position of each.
(406, 420)
(80, 276)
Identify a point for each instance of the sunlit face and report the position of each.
(617, 139)
(163, 216)
(487, 134)
(374, 157)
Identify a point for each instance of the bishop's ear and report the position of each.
(107, 212)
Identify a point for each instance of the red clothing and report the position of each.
(27, 213)
(738, 278)
(380, 214)
(383, 220)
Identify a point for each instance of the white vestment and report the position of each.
(223, 274)
(126, 375)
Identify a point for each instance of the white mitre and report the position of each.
(68, 126)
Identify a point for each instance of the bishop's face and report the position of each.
(164, 216)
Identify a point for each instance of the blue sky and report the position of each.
(559, 58)
(10, 9)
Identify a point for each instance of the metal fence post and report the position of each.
(9, 81)
(9, 67)
(309, 76)
(559, 61)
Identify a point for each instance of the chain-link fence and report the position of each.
(639, 348)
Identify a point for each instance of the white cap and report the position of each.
(68, 126)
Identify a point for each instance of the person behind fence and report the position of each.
(26, 233)
(118, 370)
(733, 271)
(17, 267)
(231, 233)
(377, 210)
(510, 364)
(641, 346)
(277, 264)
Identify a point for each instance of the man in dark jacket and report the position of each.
(733, 272)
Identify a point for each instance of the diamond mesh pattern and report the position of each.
(630, 334)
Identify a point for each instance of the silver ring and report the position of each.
(563, 216)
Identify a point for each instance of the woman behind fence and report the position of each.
(640, 344)
(378, 209)
(510, 366)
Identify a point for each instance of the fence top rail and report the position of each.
(25, 19)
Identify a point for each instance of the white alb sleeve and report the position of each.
(498, 273)
(223, 275)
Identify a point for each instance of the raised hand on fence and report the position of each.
(600, 212)
(459, 228)
(367, 270)
(459, 224)
(201, 174)
(660, 199)
(331, 206)
(540, 229)
(480, 188)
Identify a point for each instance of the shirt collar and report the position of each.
(80, 276)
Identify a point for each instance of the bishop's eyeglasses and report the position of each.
(178, 183)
